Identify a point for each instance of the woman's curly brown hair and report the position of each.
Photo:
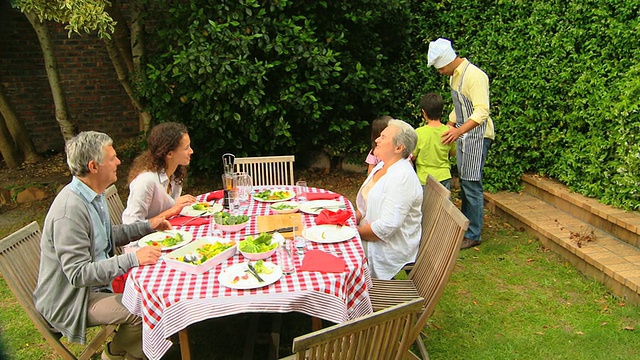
(163, 138)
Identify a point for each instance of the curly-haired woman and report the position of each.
(156, 176)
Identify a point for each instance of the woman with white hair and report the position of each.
(389, 203)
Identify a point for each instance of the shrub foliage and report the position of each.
(268, 77)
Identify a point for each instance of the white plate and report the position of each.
(284, 211)
(316, 206)
(290, 195)
(329, 233)
(190, 211)
(160, 235)
(227, 275)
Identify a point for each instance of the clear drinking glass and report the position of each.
(213, 229)
(301, 188)
(299, 241)
(285, 259)
(244, 184)
(234, 201)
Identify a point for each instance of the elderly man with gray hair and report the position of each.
(389, 203)
(78, 261)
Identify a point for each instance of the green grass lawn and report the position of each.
(514, 299)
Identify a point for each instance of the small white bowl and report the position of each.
(274, 207)
(277, 237)
(233, 228)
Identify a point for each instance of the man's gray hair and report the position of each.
(406, 136)
(84, 147)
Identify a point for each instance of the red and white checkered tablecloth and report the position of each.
(169, 300)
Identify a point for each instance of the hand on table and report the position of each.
(148, 255)
(181, 202)
(160, 223)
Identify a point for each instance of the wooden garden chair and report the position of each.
(115, 205)
(430, 273)
(268, 170)
(434, 195)
(116, 208)
(382, 335)
(19, 264)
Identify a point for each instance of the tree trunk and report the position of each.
(18, 130)
(7, 148)
(67, 128)
(138, 53)
(121, 35)
(126, 57)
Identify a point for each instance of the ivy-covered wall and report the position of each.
(283, 76)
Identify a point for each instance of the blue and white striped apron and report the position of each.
(469, 145)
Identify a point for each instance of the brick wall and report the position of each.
(94, 95)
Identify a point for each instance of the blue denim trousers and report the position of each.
(472, 195)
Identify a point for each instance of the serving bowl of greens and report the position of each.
(230, 223)
(260, 247)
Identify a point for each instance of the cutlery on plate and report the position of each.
(329, 207)
(253, 271)
(202, 214)
(280, 230)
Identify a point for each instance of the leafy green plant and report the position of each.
(255, 78)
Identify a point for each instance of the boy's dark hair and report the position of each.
(432, 104)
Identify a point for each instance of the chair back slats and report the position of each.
(19, 265)
(382, 335)
(268, 170)
(435, 265)
(434, 195)
(115, 205)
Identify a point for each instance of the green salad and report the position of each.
(262, 243)
(201, 206)
(273, 195)
(261, 268)
(224, 218)
(282, 206)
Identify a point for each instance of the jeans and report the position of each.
(473, 200)
(446, 183)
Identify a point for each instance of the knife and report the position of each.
(203, 214)
(253, 271)
(329, 207)
(280, 230)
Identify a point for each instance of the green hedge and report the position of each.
(273, 77)
(564, 89)
(257, 77)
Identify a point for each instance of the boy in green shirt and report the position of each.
(431, 156)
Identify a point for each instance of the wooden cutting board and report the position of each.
(276, 221)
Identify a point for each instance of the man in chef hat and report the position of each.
(470, 126)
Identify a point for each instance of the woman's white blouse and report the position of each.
(394, 210)
(148, 196)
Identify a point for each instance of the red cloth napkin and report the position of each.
(215, 195)
(317, 260)
(179, 220)
(321, 196)
(118, 283)
(340, 217)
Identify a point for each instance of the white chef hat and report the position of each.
(440, 53)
